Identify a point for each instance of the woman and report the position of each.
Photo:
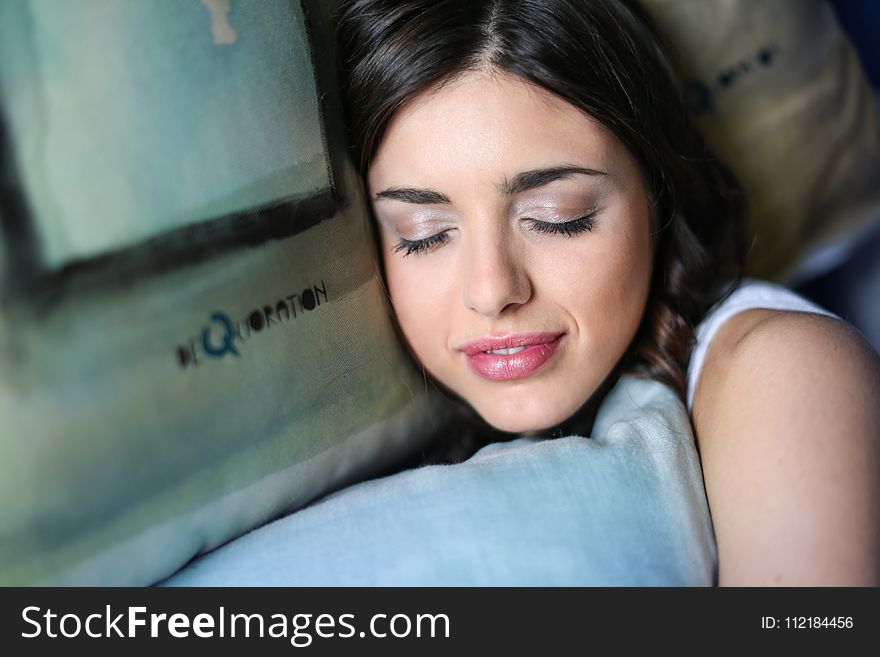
(548, 218)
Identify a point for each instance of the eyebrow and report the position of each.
(521, 182)
(410, 195)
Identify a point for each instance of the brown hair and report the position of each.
(604, 57)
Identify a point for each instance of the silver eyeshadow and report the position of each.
(408, 214)
(428, 221)
(421, 224)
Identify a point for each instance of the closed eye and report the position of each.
(423, 245)
(567, 228)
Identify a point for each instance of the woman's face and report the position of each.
(517, 245)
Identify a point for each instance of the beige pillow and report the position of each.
(779, 92)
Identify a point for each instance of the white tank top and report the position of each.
(751, 294)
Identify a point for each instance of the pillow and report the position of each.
(778, 91)
(625, 507)
(193, 336)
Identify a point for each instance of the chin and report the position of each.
(533, 413)
(522, 421)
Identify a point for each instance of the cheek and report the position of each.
(604, 283)
(628, 271)
(418, 298)
(629, 280)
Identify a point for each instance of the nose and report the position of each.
(495, 276)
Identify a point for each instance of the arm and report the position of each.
(787, 417)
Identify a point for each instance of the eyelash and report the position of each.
(566, 229)
(421, 246)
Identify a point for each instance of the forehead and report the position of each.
(489, 122)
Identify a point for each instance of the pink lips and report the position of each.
(539, 349)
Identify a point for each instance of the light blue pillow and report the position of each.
(626, 507)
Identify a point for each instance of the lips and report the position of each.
(511, 357)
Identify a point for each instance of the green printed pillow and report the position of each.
(193, 336)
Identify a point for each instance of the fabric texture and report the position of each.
(159, 402)
(778, 90)
(624, 507)
(851, 290)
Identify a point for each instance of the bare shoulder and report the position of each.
(762, 346)
(787, 417)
